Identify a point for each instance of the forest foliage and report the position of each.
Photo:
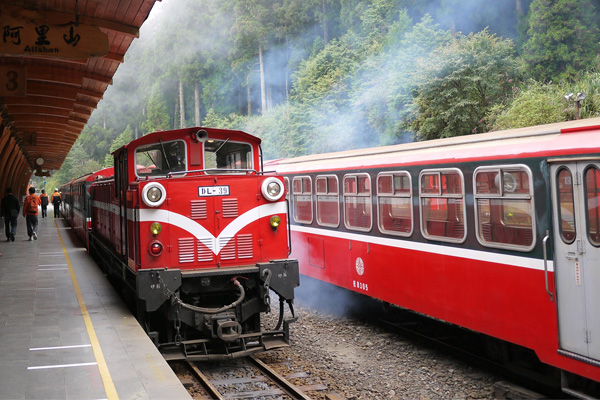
(313, 76)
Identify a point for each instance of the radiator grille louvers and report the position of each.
(205, 252)
(201, 250)
(245, 249)
(186, 250)
(198, 209)
(227, 252)
(230, 208)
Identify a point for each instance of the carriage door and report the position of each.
(576, 219)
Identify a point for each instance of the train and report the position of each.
(76, 207)
(195, 235)
(497, 233)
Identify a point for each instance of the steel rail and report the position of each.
(290, 389)
(204, 381)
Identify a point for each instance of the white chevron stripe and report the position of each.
(201, 233)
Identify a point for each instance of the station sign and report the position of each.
(30, 33)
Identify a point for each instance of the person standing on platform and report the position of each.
(10, 212)
(56, 200)
(30, 212)
(44, 199)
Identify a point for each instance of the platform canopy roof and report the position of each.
(57, 58)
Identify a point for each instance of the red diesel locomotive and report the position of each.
(197, 235)
(497, 232)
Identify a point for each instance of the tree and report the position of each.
(544, 103)
(326, 74)
(76, 164)
(460, 82)
(95, 140)
(158, 117)
(385, 83)
(251, 31)
(562, 39)
(213, 120)
(125, 137)
(537, 104)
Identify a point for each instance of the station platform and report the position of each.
(64, 331)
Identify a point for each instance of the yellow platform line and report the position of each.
(109, 386)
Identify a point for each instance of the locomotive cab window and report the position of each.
(225, 155)
(357, 202)
(442, 204)
(158, 159)
(504, 207)
(394, 203)
(328, 201)
(302, 199)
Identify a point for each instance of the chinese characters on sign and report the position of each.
(26, 32)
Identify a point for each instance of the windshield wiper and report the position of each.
(222, 144)
(150, 157)
(164, 153)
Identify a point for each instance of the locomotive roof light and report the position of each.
(155, 228)
(272, 189)
(154, 194)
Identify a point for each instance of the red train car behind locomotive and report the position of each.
(497, 232)
(76, 205)
(197, 235)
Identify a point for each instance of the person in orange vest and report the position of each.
(56, 200)
(44, 199)
(30, 212)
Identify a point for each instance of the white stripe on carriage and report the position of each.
(461, 252)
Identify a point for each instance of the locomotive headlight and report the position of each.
(154, 194)
(272, 189)
(275, 221)
(155, 228)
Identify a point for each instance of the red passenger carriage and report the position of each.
(197, 235)
(498, 233)
(76, 205)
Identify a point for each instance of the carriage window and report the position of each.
(328, 201)
(592, 196)
(504, 207)
(302, 199)
(357, 202)
(158, 159)
(225, 155)
(394, 203)
(566, 209)
(442, 199)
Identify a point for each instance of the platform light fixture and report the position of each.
(577, 98)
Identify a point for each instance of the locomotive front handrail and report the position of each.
(207, 170)
(544, 242)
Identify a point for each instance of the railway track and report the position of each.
(247, 378)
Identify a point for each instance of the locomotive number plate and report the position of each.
(204, 191)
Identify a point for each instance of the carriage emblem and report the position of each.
(360, 266)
